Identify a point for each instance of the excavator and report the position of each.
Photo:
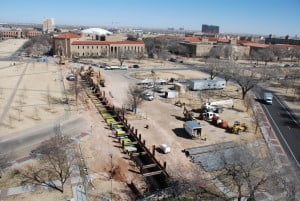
(188, 114)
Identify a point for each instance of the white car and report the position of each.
(148, 97)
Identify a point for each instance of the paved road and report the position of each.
(285, 125)
(24, 140)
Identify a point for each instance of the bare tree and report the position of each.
(54, 164)
(213, 68)
(246, 79)
(244, 171)
(279, 52)
(135, 97)
(124, 55)
(3, 162)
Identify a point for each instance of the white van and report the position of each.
(268, 98)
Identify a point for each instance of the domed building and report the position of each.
(96, 42)
(95, 34)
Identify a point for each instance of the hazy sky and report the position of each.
(279, 17)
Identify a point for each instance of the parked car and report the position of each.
(296, 65)
(71, 77)
(286, 65)
(148, 96)
(135, 66)
(159, 89)
(172, 59)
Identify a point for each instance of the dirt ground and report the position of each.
(166, 120)
(34, 101)
(7, 47)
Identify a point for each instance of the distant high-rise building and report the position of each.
(48, 25)
(210, 29)
(181, 29)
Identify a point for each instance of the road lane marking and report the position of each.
(289, 148)
(278, 100)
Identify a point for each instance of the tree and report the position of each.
(132, 37)
(244, 171)
(266, 55)
(124, 55)
(246, 79)
(135, 97)
(279, 52)
(213, 68)
(294, 53)
(54, 164)
(3, 162)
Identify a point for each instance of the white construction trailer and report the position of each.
(197, 85)
(193, 129)
(171, 94)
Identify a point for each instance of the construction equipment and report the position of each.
(100, 80)
(215, 106)
(207, 116)
(179, 103)
(63, 60)
(188, 114)
(237, 128)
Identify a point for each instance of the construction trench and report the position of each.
(132, 144)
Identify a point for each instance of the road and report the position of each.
(285, 125)
(24, 142)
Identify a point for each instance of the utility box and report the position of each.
(197, 85)
(193, 128)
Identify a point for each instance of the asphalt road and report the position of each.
(24, 141)
(285, 125)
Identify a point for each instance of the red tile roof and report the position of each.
(169, 37)
(198, 40)
(192, 39)
(67, 35)
(94, 42)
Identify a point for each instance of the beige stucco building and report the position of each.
(95, 43)
(201, 47)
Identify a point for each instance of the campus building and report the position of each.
(7, 33)
(95, 42)
(210, 29)
(48, 25)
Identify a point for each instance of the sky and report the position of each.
(277, 17)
